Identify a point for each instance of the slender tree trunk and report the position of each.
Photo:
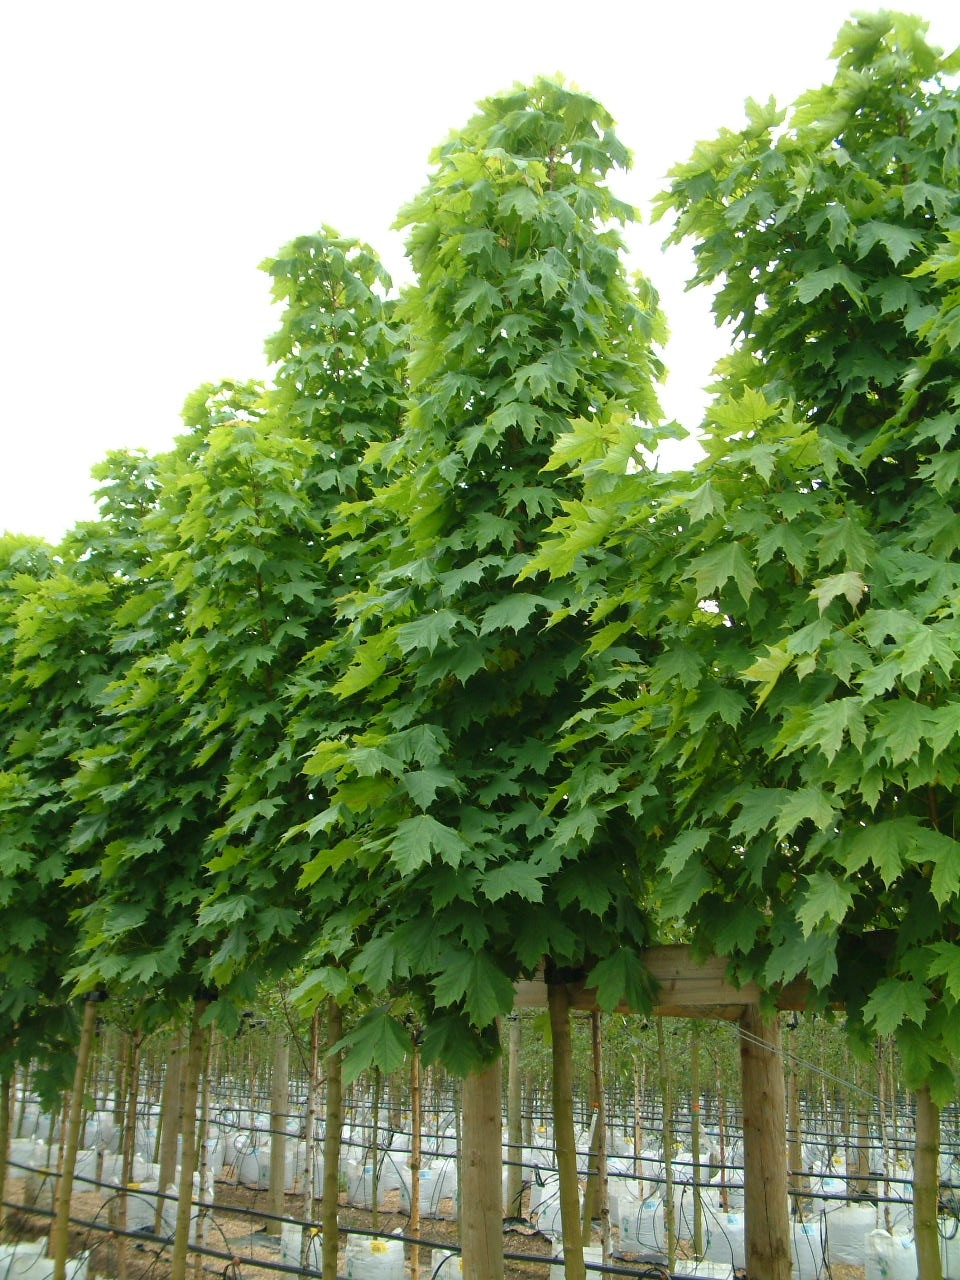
(926, 1187)
(59, 1236)
(884, 1136)
(695, 1138)
(666, 1094)
(279, 1102)
(564, 1136)
(188, 1161)
(126, 1151)
(204, 1131)
(766, 1209)
(514, 1122)
(375, 1150)
(416, 1134)
(331, 1140)
(600, 1143)
(482, 1190)
(171, 1123)
(6, 1084)
(721, 1140)
(638, 1129)
(310, 1127)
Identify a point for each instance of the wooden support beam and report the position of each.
(681, 987)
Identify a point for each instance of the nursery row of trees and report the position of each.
(411, 672)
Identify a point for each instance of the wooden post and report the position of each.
(481, 1171)
(766, 1209)
(926, 1187)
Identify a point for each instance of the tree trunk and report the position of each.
(188, 1150)
(331, 1140)
(205, 1206)
(6, 1084)
(766, 1208)
(600, 1143)
(926, 1187)
(514, 1206)
(564, 1136)
(171, 1123)
(310, 1128)
(482, 1190)
(695, 1138)
(127, 1146)
(666, 1094)
(59, 1235)
(375, 1150)
(279, 1102)
(416, 1133)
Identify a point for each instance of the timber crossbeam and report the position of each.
(682, 987)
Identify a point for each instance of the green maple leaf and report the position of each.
(713, 569)
(423, 784)
(943, 728)
(901, 727)
(415, 840)
(767, 670)
(886, 844)
(825, 898)
(378, 1040)
(945, 964)
(944, 853)
(849, 585)
(894, 1002)
(806, 804)
(472, 977)
(521, 200)
(432, 629)
(814, 283)
(446, 1039)
(513, 877)
(621, 978)
(513, 612)
(899, 242)
(758, 808)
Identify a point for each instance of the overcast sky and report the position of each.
(153, 154)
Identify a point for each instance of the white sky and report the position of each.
(151, 155)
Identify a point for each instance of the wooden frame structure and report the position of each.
(685, 987)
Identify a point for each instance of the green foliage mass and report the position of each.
(413, 672)
(794, 688)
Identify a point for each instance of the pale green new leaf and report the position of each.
(849, 585)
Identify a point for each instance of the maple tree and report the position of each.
(522, 317)
(785, 725)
